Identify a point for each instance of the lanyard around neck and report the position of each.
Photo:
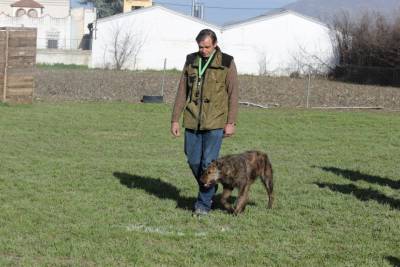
(202, 70)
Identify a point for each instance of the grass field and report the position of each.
(104, 184)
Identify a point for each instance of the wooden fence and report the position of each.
(17, 60)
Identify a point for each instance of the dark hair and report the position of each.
(203, 34)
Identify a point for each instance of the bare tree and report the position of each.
(370, 41)
(262, 63)
(368, 48)
(124, 46)
(342, 29)
(306, 62)
(106, 8)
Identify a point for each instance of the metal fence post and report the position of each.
(163, 78)
(308, 90)
(5, 76)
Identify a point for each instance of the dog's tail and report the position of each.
(267, 179)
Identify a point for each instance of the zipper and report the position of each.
(201, 100)
(200, 82)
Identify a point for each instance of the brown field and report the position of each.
(94, 85)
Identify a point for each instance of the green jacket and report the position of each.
(207, 100)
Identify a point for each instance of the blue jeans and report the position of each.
(202, 147)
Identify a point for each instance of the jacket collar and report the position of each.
(216, 63)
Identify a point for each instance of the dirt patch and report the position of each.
(94, 85)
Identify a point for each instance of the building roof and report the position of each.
(160, 7)
(266, 16)
(270, 15)
(27, 3)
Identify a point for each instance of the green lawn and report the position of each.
(104, 184)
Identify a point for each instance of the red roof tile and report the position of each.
(27, 3)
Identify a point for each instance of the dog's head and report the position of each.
(212, 174)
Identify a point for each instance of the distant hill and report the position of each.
(326, 9)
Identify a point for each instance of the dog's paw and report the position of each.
(236, 212)
(230, 210)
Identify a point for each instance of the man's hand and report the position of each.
(175, 129)
(229, 129)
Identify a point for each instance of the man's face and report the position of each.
(206, 47)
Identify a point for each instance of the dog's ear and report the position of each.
(218, 163)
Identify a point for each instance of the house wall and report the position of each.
(54, 56)
(69, 30)
(276, 45)
(128, 4)
(160, 33)
(54, 8)
(279, 45)
(45, 25)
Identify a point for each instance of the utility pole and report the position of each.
(197, 9)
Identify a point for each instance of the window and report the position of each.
(20, 12)
(52, 39)
(32, 13)
(52, 44)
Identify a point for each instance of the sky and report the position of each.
(222, 11)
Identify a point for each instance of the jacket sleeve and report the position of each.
(180, 99)
(232, 86)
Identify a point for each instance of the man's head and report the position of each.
(207, 41)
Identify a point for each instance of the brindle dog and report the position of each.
(240, 171)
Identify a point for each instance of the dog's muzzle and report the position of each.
(209, 184)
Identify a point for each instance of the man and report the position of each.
(208, 94)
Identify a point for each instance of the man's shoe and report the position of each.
(199, 212)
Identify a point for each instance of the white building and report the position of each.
(279, 43)
(54, 8)
(58, 27)
(156, 33)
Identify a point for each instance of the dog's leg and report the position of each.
(242, 200)
(226, 193)
(267, 179)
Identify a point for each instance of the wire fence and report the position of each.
(84, 43)
(368, 75)
(267, 91)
